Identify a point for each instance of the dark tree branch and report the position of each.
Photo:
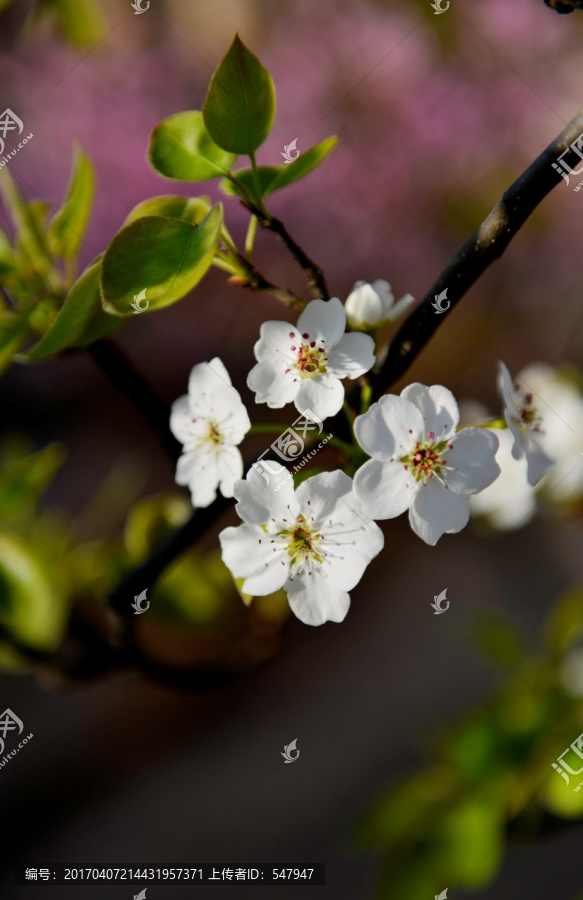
(314, 273)
(480, 251)
(122, 374)
(565, 6)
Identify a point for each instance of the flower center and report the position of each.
(301, 544)
(426, 460)
(215, 435)
(528, 411)
(309, 356)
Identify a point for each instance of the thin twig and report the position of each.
(314, 273)
(122, 374)
(480, 251)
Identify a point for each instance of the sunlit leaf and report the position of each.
(167, 257)
(271, 178)
(181, 148)
(189, 209)
(240, 104)
(23, 481)
(68, 226)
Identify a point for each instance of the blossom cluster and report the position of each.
(315, 540)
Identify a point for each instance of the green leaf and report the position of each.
(80, 321)
(26, 219)
(240, 104)
(189, 209)
(13, 331)
(80, 21)
(7, 261)
(473, 841)
(68, 226)
(30, 607)
(23, 481)
(168, 257)
(272, 178)
(181, 148)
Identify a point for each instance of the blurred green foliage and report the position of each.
(447, 826)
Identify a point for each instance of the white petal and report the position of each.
(474, 458)
(363, 306)
(234, 423)
(352, 356)
(272, 385)
(385, 489)
(436, 511)
(180, 418)
(322, 394)
(324, 319)
(229, 469)
(247, 551)
(506, 387)
(390, 428)
(259, 501)
(438, 406)
(538, 462)
(205, 377)
(313, 601)
(383, 289)
(400, 307)
(276, 339)
(199, 472)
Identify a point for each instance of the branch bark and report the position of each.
(486, 245)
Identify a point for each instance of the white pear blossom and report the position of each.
(524, 421)
(420, 463)
(314, 542)
(510, 502)
(210, 421)
(304, 363)
(559, 404)
(371, 306)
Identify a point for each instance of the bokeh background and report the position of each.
(436, 116)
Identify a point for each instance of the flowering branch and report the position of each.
(486, 245)
(314, 273)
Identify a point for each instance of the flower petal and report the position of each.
(400, 307)
(352, 356)
(390, 428)
(199, 472)
(258, 499)
(180, 418)
(207, 376)
(506, 388)
(436, 510)
(322, 394)
(229, 469)
(313, 601)
(538, 463)
(272, 385)
(325, 319)
(473, 456)
(385, 489)
(247, 551)
(276, 338)
(438, 407)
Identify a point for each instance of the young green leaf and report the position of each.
(181, 148)
(24, 480)
(68, 226)
(165, 256)
(240, 104)
(26, 220)
(80, 321)
(189, 209)
(271, 178)
(13, 331)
